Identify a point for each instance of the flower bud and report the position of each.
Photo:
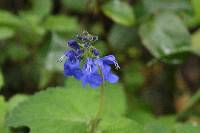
(73, 44)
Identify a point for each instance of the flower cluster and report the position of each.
(84, 63)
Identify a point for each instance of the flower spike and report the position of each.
(84, 63)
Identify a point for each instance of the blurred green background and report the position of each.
(157, 44)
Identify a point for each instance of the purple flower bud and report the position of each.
(95, 52)
(79, 52)
(79, 37)
(73, 44)
(86, 45)
(84, 38)
(71, 54)
(94, 38)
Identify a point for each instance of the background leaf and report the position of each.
(120, 12)
(195, 41)
(3, 111)
(41, 7)
(6, 33)
(9, 19)
(116, 37)
(154, 6)
(169, 43)
(76, 5)
(1, 79)
(61, 23)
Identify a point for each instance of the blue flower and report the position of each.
(83, 62)
(90, 74)
(72, 65)
(104, 63)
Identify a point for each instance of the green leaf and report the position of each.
(169, 43)
(154, 6)
(120, 12)
(8, 19)
(141, 117)
(156, 127)
(116, 37)
(14, 54)
(76, 5)
(3, 111)
(31, 32)
(16, 100)
(186, 128)
(195, 41)
(120, 125)
(133, 76)
(196, 7)
(61, 110)
(1, 79)
(61, 23)
(41, 7)
(6, 33)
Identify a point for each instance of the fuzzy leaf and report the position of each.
(120, 125)
(67, 109)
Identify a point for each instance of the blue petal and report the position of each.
(84, 80)
(67, 69)
(95, 80)
(106, 71)
(109, 59)
(72, 69)
(112, 78)
(77, 73)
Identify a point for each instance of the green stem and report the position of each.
(101, 102)
(97, 118)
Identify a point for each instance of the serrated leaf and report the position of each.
(169, 43)
(120, 125)
(154, 6)
(6, 33)
(61, 110)
(120, 12)
(61, 23)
